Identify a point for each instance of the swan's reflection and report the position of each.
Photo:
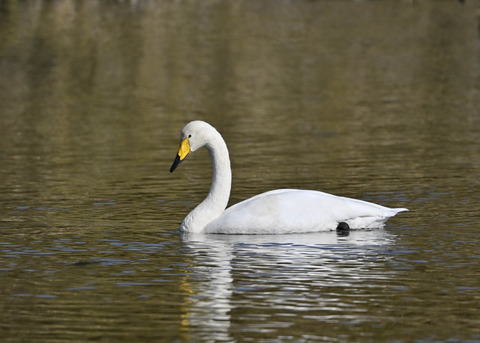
(283, 273)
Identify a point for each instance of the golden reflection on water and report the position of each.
(373, 100)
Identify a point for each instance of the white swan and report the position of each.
(276, 212)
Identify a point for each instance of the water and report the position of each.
(373, 100)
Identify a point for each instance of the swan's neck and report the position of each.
(217, 199)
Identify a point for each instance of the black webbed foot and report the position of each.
(343, 229)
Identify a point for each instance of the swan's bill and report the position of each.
(183, 152)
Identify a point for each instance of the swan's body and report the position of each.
(276, 212)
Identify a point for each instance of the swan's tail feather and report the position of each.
(373, 222)
(398, 210)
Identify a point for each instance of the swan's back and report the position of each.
(294, 211)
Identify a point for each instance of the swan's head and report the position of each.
(194, 135)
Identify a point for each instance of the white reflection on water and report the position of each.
(251, 277)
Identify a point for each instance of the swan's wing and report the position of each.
(289, 211)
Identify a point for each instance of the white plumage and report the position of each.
(276, 212)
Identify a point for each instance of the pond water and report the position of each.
(372, 100)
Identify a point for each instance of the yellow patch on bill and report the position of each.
(184, 149)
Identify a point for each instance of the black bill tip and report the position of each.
(176, 163)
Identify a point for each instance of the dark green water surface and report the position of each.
(376, 100)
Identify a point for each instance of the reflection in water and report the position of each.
(209, 288)
(252, 276)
